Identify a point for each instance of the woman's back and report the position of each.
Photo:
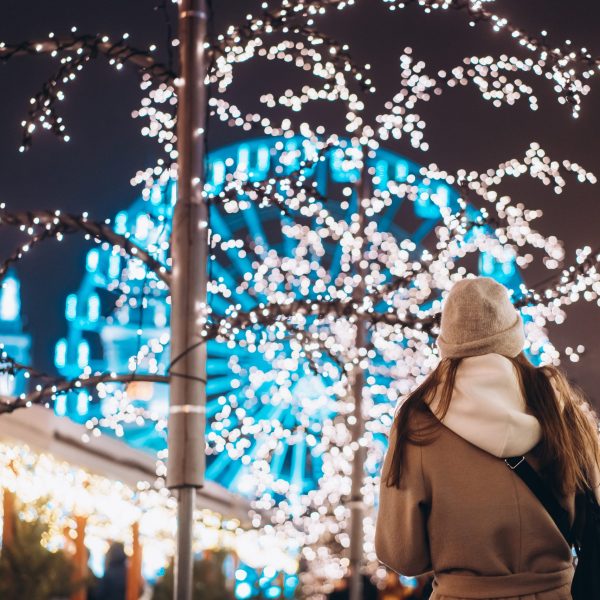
(463, 513)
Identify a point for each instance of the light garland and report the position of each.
(42, 225)
(75, 52)
(298, 308)
(110, 507)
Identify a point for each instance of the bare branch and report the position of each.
(119, 52)
(63, 223)
(39, 396)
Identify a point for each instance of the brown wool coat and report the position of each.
(463, 514)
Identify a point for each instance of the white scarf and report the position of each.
(488, 408)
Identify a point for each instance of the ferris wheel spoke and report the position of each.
(217, 366)
(252, 218)
(219, 304)
(212, 408)
(218, 385)
(386, 221)
(220, 349)
(277, 459)
(317, 465)
(423, 230)
(144, 437)
(217, 466)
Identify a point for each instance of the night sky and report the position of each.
(92, 172)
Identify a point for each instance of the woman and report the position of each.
(448, 502)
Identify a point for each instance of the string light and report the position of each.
(43, 225)
(110, 507)
(293, 307)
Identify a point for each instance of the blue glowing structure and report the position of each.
(105, 336)
(115, 313)
(15, 342)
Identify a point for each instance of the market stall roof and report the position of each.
(42, 430)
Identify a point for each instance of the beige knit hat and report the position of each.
(479, 318)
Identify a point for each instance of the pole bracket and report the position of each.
(186, 408)
(195, 14)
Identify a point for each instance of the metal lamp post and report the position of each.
(190, 254)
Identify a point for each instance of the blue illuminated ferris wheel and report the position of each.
(116, 313)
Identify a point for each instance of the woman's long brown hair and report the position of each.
(569, 451)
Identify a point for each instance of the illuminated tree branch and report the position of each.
(76, 51)
(118, 52)
(41, 395)
(58, 223)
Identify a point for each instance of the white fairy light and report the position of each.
(305, 314)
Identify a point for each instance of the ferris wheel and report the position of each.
(267, 406)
